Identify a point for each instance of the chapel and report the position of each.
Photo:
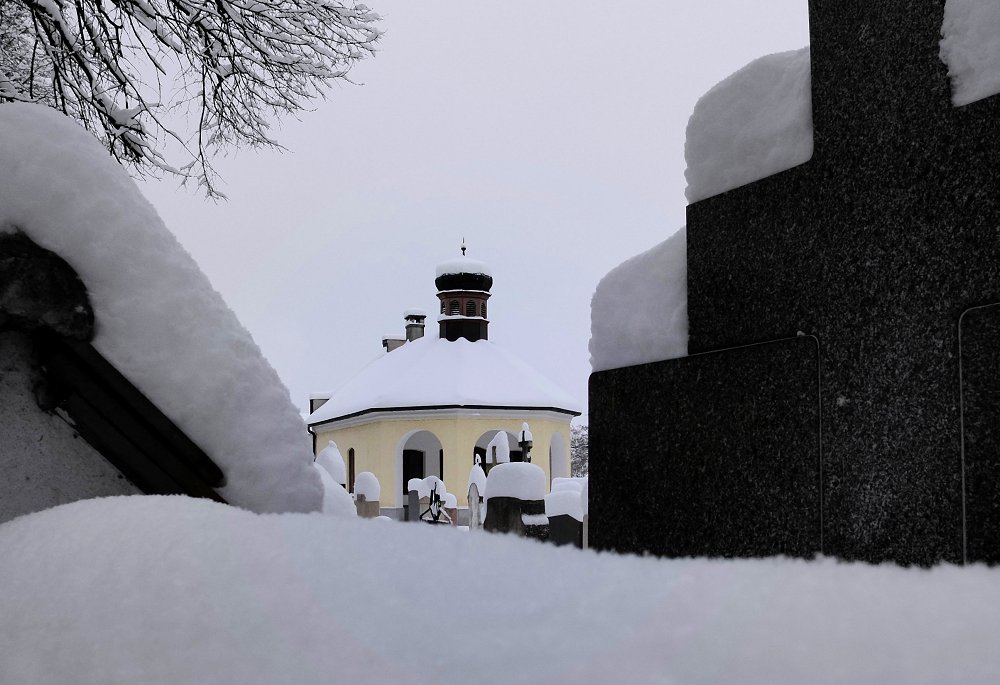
(438, 401)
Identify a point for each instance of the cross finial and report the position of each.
(463, 246)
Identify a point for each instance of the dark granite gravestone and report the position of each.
(876, 246)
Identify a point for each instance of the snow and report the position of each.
(336, 500)
(639, 312)
(477, 476)
(463, 265)
(414, 313)
(564, 503)
(173, 590)
(970, 47)
(567, 484)
(158, 320)
(751, 125)
(425, 486)
(332, 461)
(498, 449)
(516, 479)
(450, 501)
(526, 435)
(432, 371)
(367, 484)
(534, 519)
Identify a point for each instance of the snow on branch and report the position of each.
(148, 76)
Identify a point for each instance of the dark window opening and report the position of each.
(454, 308)
(482, 308)
(413, 466)
(470, 308)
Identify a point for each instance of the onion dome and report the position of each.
(463, 287)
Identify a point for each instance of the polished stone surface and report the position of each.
(875, 246)
(728, 467)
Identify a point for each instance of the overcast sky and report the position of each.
(549, 135)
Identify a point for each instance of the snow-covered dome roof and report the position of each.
(464, 273)
(432, 372)
(463, 265)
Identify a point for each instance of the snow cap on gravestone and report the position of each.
(332, 460)
(367, 484)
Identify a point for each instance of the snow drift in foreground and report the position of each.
(751, 125)
(172, 590)
(970, 46)
(158, 320)
(639, 311)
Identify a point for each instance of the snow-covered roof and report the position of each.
(463, 265)
(413, 313)
(158, 319)
(433, 372)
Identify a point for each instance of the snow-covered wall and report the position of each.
(970, 46)
(751, 125)
(158, 319)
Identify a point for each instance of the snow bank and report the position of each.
(367, 484)
(172, 590)
(158, 320)
(332, 461)
(516, 479)
(639, 312)
(751, 125)
(564, 503)
(970, 47)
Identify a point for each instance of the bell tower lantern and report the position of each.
(463, 288)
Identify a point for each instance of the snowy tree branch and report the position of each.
(237, 66)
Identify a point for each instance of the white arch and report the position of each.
(424, 439)
(486, 437)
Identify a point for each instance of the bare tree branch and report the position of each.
(237, 65)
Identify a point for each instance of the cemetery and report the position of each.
(817, 416)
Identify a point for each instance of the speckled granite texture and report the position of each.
(875, 246)
(729, 467)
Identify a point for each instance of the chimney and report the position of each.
(414, 324)
(392, 342)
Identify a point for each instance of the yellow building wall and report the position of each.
(378, 447)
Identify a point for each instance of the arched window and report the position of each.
(350, 470)
(454, 308)
(470, 308)
(442, 306)
(482, 309)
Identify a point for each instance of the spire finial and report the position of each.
(463, 246)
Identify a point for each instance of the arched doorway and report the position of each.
(483, 445)
(418, 455)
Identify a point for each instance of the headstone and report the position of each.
(874, 248)
(366, 509)
(475, 508)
